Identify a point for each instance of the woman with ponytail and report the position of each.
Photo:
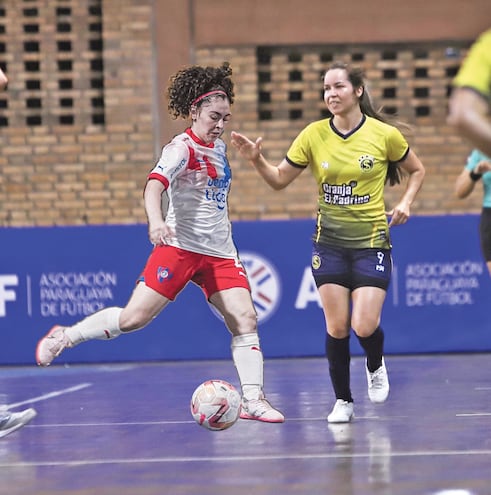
(352, 154)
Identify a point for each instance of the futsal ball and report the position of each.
(216, 405)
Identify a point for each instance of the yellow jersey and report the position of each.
(475, 71)
(351, 171)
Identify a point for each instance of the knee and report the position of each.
(365, 327)
(338, 328)
(248, 321)
(243, 323)
(363, 332)
(338, 332)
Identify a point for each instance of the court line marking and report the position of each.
(189, 422)
(186, 422)
(473, 414)
(129, 423)
(161, 460)
(50, 395)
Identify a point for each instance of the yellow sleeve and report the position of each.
(475, 71)
(397, 146)
(299, 152)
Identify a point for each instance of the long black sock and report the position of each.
(338, 355)
(374, 349)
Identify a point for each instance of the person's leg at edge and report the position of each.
(336, 305)
(108, 323)
(485, 236)
(367, 309)
(235, 305)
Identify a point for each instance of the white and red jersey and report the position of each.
(197, 178)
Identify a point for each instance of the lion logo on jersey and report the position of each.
(366, 162)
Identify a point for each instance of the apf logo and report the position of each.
(265, 285)
(7, 294)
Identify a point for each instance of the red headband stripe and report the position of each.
(215, 92)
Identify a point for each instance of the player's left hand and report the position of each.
(398, 215)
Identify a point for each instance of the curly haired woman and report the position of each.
(192, 239)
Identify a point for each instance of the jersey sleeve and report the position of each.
(171, 163)
(474, 158)
(475, 71)
(298, 154)
(397, 146)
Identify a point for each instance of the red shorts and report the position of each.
(169, 269)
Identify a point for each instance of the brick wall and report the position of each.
(80, 124)
(76, 129)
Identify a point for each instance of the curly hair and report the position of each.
(191, 82)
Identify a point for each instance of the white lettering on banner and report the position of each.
(73, 308)
(307, 292)
(75, 293)
(72, 279)
(442, 284)
(7, 294)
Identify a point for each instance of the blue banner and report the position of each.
(437, 301)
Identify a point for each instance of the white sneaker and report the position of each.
(260, 410)
(378, 384)
(342, 412)
(11, 422)
(51, 345)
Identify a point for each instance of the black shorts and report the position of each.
(351, 268)
(485, 233)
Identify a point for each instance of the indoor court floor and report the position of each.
(126, 429)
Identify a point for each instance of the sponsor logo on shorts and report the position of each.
(316, 261)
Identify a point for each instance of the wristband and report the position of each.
(475, 177)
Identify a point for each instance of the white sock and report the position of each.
(102, 325)
(248, 360)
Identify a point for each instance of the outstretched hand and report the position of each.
(248, 149)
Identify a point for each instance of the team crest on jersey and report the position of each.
(163, 274)
(316, 261)
(366, 162)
